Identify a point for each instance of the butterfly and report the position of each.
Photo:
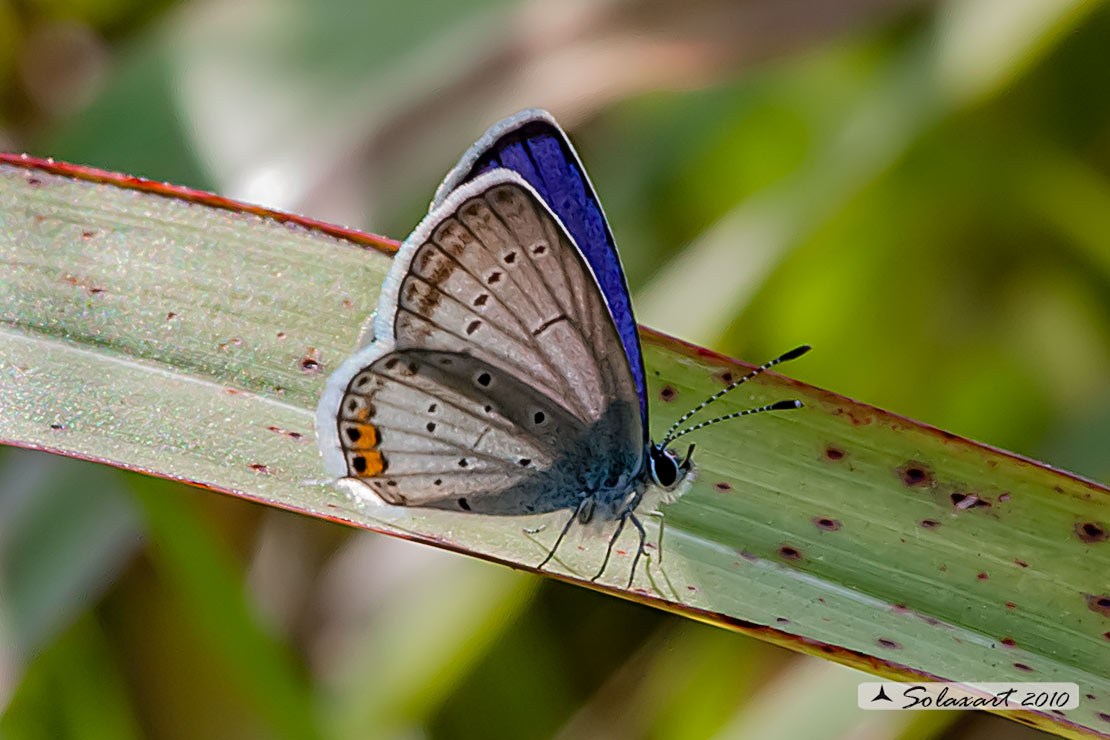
(506, 377)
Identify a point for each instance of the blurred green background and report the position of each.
(920, 190)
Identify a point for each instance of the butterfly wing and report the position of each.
(533, 145)
(496, 381)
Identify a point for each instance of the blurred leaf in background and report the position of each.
(918, 189)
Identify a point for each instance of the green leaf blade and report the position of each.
(159, 333)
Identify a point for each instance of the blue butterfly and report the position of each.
(506, 376)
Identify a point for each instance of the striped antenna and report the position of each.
(777, 406)
(791, 355)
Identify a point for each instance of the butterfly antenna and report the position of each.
(791, 355)
(777, 406)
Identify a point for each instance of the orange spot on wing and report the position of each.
(374, 464)
(366, 464)
(366, 436)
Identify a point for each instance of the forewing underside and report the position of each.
(499, 279)
(533, 145)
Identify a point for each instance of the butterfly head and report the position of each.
(665, 468)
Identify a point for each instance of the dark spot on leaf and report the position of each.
(1011, 605)
(1104, 716)
(826, 523)
(915, 474)
(1023, 667)
(1008, 641)
(782, 620)
(473, 326)
(464, 504)
(1099, 604)
(1091, 532)
(722, 486)
(789, 553)
(1058, 489)
(56, 427)
(930, 523)
(965, 501)
(170, 316)
(88, 234)
(890, 644)
(281, 335)
(857, 416)
(982, 576)
(726, 377)
(1003, 498)
(310, 363)
(668, 393)
(834, 453)
(259, 468)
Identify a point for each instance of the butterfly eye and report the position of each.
(664, 468)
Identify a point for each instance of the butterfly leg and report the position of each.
(609, 550)
(659, 541)
(639, 547)
(563, 533)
